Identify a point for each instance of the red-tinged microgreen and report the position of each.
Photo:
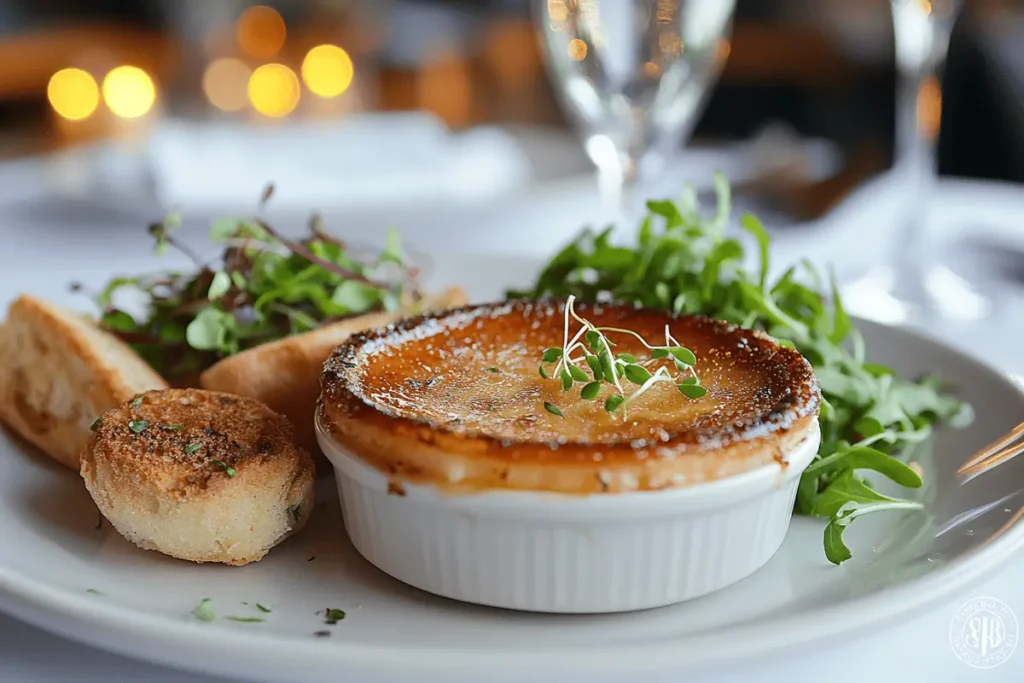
(264, 286)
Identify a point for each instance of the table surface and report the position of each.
(914, 649)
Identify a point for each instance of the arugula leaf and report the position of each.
(841, 324)
(754, 227)
(865, 458)
(685, 263)
(836, 550)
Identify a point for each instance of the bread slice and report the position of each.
(208, 477)
(285, 374)
(58, 372)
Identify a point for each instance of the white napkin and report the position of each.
(359, 160)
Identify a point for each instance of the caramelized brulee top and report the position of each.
(466, 382)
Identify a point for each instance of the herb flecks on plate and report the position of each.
(333, 615)
(596, 364)
(204, 610)
(687, 263)
(264, 286)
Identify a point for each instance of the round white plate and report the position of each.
(59, 572)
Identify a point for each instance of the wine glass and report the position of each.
(915, 285)
(634, 75)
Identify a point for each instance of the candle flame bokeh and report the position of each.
(274, 90)
(128, 91)
(327, 70)
(261, 31)
(225, 83)
(73, 94)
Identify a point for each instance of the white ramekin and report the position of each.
(572, 554)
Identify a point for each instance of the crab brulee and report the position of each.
(567, 457)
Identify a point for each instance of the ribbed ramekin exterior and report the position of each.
(565, 565)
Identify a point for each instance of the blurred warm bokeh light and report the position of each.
(509, 50)
(444, 87)
(274, 90)
(225, 83)
(558, 11)
(577, 49)
(929, 107)
(73, 94)
(261, 31)
(128, 91)
(723, 49)
(327, 70)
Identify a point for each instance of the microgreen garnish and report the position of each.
(192, 447)
(491, 370)
(228, 469)
(247, 620)
(264, 286)
(333, 616)
(553, 409)
(687, 263)
(265, 610)
(137, 400)
(596, 349)
(138, 426)
(96, 423)
(172, 428)
(204, 610)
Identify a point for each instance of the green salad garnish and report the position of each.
(262, 287)
(687, 263)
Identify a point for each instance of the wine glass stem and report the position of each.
(922, 44)
(618, 187)
(917, 169)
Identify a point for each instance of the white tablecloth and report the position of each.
(914, 649)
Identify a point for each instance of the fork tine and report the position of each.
(979, 468)
(991, 449)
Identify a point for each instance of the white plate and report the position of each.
(51, 555)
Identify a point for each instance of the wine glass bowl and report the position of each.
(633, 76)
